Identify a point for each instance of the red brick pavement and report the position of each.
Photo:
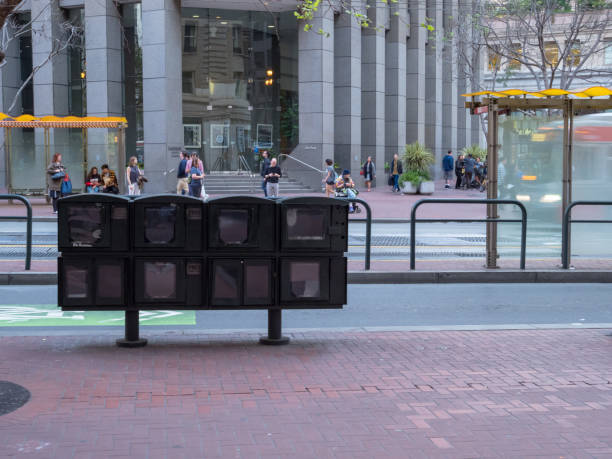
(536, 393)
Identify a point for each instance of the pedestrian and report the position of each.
(132, 175)
(93, 182)
(272, 174)
(448, 166)
(396, 171)
(330, 178)
(55, 175)
(197, 174)
(469, 170)
(459, 170)
(265, 163)
(369, 172)
(182, 184)
(109, 178)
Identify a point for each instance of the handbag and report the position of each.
(361, 172)
(66, 187)
(390, 180)
(58, 175)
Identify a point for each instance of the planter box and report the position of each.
(409, 188)
(426, 187)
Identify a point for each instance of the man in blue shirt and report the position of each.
(448, 164)
(182, 187)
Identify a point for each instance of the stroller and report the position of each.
(345, 193)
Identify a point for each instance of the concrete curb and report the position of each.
(490, 277)
(409, 277)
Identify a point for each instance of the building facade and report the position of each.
(226, 82)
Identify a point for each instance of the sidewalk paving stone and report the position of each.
(535, 393)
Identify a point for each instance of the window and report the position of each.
(573, 55)
(551, 51)
(494, 60)
(188, 82)
(192, 135)
(608, 52)
(190, 43)
(237, 39)
(516, 54)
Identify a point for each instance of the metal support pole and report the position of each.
(368, 241)
(122, 160)
(568, 128)
(132, 335)
(492, 140)
(8, 151)
(275, 332)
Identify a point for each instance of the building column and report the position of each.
(50, 83)
(347, 91)
(316, 99)
(449, 72)
(10, 79)
(415, 73)
(475, 130)
(395, 82)
(464, 119)
(104, 80)
(433, 83)
(373, 85)
(162, 94)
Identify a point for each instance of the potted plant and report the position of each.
(417, 160)
(409, 182)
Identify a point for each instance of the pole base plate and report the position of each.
(274, 341)
(128, 343)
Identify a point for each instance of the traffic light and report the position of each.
(178, 252)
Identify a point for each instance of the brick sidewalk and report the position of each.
(544, 393)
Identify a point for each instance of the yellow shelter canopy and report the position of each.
(30, 121)
(595, 91)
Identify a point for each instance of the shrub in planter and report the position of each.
(476, 151)
(417, 158)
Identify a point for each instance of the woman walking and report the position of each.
(132, 174)
(369, 172)
(197, 174)
(55, 175)
(330, 178)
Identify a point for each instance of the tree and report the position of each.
(558, 43)
(13, 28)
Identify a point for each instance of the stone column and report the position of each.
(395, 82)
(104, 80)
(162, 94)
(373, 85)
(415, 73)
(316, 99)
(433, 84)
(464, 119)
(50, 81)
(10, 79)
(450, 78)
(347, 91)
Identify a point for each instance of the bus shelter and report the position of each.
(496, 103)
(27, 152)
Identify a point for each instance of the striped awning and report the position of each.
(595, 91)
(29, 121)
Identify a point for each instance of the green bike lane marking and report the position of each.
(46, 315)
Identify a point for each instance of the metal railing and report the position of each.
(368, 237)
(414, 220)
(565, 231)
(27, 218)
(301, 162)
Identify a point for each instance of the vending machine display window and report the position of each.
(233, 226)
(305, 279)
(160, 224)
(245, 282)
(307, 223)
(168, 281)
(86, 224)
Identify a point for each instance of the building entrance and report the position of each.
(239, 86)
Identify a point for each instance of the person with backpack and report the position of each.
(56, 172)
(182, 184)
(330, 178)
(197, 174)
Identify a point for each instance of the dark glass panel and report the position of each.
(109, 281)
(76, 282)
(257, 281)
(85, 224)
(226, 280)
(233, 226)
(160, 280)
(160, 222)
(306, 224)
(305, 279)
